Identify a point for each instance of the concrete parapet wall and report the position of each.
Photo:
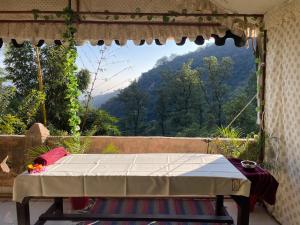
(143, 144)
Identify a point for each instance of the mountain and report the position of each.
(99, 100)
(243, 68)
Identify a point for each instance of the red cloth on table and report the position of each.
(263, 184)
(51, 156)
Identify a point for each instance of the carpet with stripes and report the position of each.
(175, 206)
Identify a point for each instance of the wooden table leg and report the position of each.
(243, 209)
(23, 214)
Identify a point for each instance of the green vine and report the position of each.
(70, 68)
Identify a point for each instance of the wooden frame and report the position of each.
(55, 213)
(262, 97)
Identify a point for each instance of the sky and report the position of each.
(123, 64)
(120, 65)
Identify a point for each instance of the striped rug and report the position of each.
(151, 206)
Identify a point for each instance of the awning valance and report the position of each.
(124, 20)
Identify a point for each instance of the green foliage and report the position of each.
(63, 85)
(32, 153)
(166, 19)
(30, 106)
(134, 103)
(101, 123)
(178, 98)
(84, 79)
(72, 91)
(74, 145)
(10, 124)
(192, 95)
(15, 119)
(56, 132)
(21, 68)
(233, 146)
(70, 68)
(62, 82)
(52, 58)
(7, 93)
(194, 130)
(227, 132)
(110, 149)
(252, 149)
(247, 120)
(215, 88)
(56, 81)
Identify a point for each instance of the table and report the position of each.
(134, 175)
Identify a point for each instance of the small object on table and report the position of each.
(248, 165)
(51, 156)
(35, 168)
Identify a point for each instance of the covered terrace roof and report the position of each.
(142, 21)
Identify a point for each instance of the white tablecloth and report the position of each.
(134, 175)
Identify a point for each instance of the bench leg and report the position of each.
(59, 205)
(219, 205)
(55, 209)
(23, 215)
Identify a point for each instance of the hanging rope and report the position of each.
(245, 107)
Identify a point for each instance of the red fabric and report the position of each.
(51, 156)
(78, 203)
(253, 200)
(263, 184)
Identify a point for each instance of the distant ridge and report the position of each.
(99, 100)
(243, 68)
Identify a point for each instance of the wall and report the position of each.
(144, 144)
(282, 108)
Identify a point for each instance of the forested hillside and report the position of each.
(190, 95)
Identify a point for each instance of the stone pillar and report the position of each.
(36, 135)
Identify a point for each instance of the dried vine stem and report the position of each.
(89, 94)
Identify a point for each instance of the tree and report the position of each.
(7, 93)
(29, 107)
(99, 122)
(14, 118)
(162, 110)
(56, 85)
(52, 57)
(184, 91)
(161, 61)
(9, 124)
(246, 121)
(84, 79)
(215, 88)
(21, 68)
(134, 105)
(41, 83)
